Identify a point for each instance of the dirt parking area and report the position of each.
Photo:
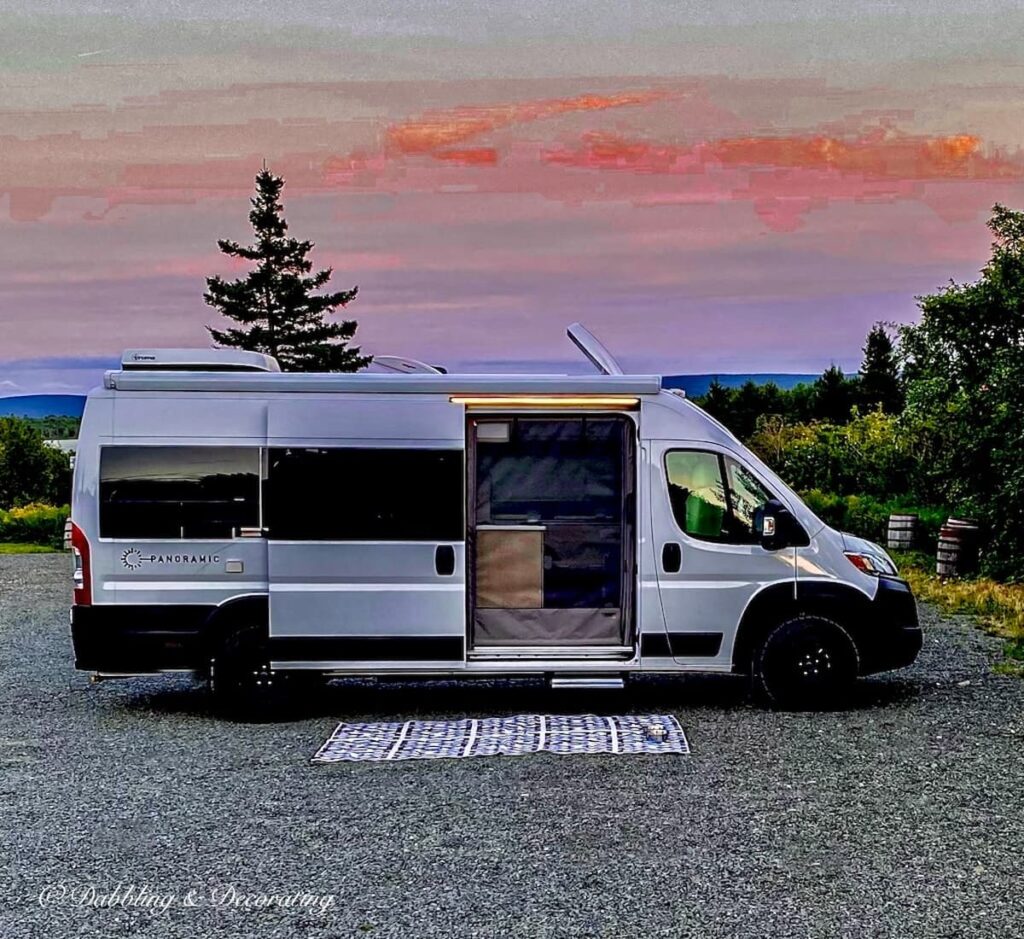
(901, 816)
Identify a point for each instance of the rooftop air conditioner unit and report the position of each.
(197, 360)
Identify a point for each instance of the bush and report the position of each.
(964, 367)
(34, 524)
(868, 517)
(30, 471)
(872, 454)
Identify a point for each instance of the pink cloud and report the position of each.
(446, 128)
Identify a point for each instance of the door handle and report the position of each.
(671, 557)
(444, 560)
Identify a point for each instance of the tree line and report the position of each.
(834, 397)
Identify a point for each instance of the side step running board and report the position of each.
(547, 653)
(587, 682)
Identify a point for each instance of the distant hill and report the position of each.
(693, 385)
(696, 385)
(42, 406)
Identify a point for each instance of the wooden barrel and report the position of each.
(957, 553)
(902, 532)
(969, 523)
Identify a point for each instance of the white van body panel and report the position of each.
(715, 581)
(324, 590)
(360, 588)
(371, 420)
(213, 417)
(651, 614)
(823, 559)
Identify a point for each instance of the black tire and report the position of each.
(245, 687)
(806, 663)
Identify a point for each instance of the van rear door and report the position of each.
(365, 509)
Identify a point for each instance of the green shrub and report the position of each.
(868, 517)
(874, 453)
(30, 471)
(34, 523)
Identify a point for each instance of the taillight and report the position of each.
(82, 576)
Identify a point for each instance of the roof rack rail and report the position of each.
(197, 360)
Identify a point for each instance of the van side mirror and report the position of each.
(778, 528)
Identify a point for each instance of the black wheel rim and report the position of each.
(812, 661)
(262, 676)
(250, 675)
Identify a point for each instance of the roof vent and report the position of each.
(197, 360)
(398, 363)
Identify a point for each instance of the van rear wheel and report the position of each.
(806, 663)
(245, 687)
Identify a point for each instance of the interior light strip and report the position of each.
(546, 401)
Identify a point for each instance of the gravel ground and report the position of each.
(903, 816)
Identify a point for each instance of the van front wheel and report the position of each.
(245, 687)
(806, 663)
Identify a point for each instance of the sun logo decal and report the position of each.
(132, 559)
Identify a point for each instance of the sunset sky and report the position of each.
(747, 189)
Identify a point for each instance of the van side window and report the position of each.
(356, 494)
(713, 497)
(697, 493)
(747, 497)
(178, 492)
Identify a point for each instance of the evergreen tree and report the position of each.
(834, 396)
(741, 408)
(799, 404)
(880, 383)
(773, 399)
(748, 405)
(276, 306)
(718, 402)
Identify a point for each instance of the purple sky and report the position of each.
(732, 191)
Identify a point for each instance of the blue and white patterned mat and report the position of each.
(503, 736)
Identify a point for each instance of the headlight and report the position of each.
(871, 563)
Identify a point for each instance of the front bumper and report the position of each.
(893, 637)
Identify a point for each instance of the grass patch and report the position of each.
(999, 608)
(17, 547)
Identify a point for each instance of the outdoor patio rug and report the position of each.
(503, 736)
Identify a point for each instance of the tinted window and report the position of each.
(714, 498)
(178, 492)
(365, 495)
(697, 493)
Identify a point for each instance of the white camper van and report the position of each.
(257, 527)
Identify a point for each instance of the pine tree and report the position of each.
(276, 304)
(880, 383)
(834, 396)
(718, 402)
(747, 407)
